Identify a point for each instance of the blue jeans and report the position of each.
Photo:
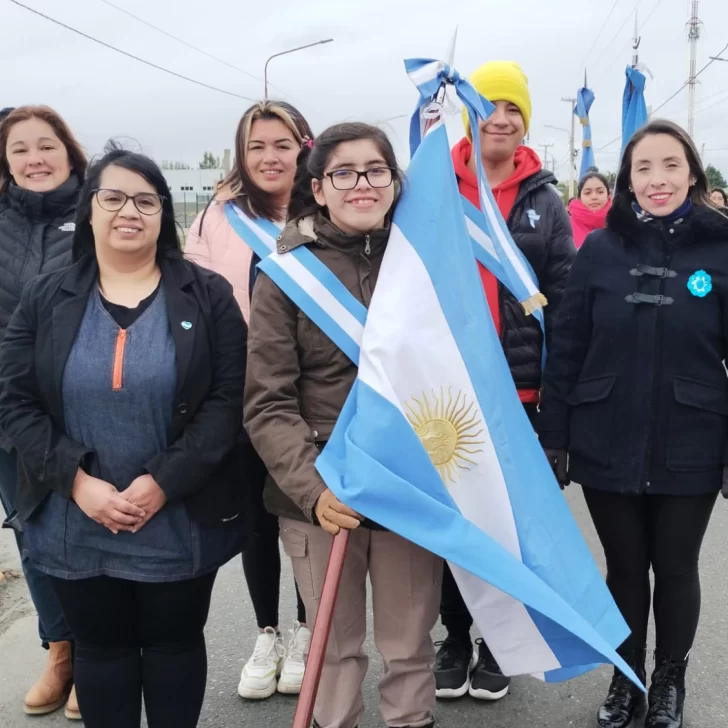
(51, 622)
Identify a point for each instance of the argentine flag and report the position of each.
(434, 444)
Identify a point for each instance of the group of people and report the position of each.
(162, 407)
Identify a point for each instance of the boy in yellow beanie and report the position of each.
(541, 228)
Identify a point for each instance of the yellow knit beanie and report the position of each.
(502, 81)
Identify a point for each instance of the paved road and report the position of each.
(531, 704)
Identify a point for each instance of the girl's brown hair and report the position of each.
(76, 155)
(238, 185)
(699, 194)
(312, 161)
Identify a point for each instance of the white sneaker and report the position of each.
(294, 663)
(260, 674)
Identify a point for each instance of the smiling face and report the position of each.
(270, 158)
(594, 194)
(37, 158)
(502, 133)
(660, 174)
(126, 231)
(363, 208)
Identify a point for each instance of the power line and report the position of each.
(601, 30)
(665, 103)
(706, 66)
(180, 40)
(713, 105)
(616, 139)
(130, 55)
(609, 45)
(706, 98)
(193, 47)
(641, 28)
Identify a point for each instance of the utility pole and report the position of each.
(545, 148)
(693, 37)
(572, 148)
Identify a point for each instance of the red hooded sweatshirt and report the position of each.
(527, 164)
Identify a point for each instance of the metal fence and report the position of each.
(187, 205)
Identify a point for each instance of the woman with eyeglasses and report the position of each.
(341, 207)
(42, 167)
(121, 387)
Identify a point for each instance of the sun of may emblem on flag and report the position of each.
(449, 430)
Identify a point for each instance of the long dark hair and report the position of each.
(313, 159)
(698, 194)
(591, 174)
(76, 155)
(168, 243)
(238, 185)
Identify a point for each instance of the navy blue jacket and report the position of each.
(635, 387)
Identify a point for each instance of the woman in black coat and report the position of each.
(635, 392)
(121, 387)
(42, 168)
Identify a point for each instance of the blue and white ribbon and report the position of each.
(307, 281)
(494, 247)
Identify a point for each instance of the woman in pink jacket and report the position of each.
(589, 210)
(252, 199)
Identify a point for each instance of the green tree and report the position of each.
(715, 178)
(175, 165)
(210, 161)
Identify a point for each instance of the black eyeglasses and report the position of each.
(348, 179)
(148, 203)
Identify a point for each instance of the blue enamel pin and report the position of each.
(700, 284)
(186, 325)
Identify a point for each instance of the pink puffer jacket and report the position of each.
(218, 247)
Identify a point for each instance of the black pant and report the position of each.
(133, 638)
(262, 556)
(454, 613)
(664, 532)
(262, 567)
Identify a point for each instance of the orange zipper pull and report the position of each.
(118, 372)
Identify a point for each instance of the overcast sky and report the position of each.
(358, 77)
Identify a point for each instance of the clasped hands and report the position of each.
(129, 510)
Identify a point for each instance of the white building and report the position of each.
(187, 184)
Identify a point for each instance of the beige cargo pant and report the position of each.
(406, 583)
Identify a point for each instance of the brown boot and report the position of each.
(52, 689)
(72, 712)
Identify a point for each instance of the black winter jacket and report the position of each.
(204, 463)
(36, 231)
(541, 228)
(635, 387)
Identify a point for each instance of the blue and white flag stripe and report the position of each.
(434, 444)
(307, 281)
(512, 268)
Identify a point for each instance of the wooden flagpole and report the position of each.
(315, 662)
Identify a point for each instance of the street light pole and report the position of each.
(285, 53)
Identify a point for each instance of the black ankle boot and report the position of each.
(667, 694)
(625, 701)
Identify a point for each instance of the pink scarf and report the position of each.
(585, 221)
